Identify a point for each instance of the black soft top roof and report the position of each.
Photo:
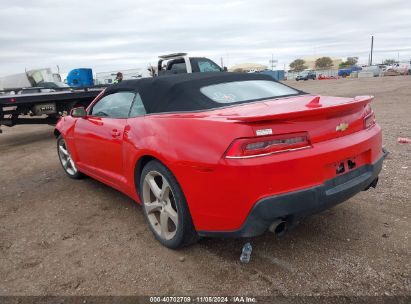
(180, 92)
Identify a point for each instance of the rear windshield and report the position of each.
(240, 91)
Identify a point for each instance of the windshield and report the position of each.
(240, 91)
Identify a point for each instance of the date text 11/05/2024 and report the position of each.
(203, 299)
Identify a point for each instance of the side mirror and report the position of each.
(225, 69)
(78, 112)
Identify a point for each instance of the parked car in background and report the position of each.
(402, 68)
(223, 154)
(347, 71)
(30, 78)
(374, 70)
(305, 75)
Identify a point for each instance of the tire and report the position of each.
(169, 220)
(66, 161)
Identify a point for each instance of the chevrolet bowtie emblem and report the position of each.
(341, 127)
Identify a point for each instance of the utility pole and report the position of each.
(272, 62)
(222, 63)
(372, 47)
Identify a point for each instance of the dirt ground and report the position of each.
(60, 236)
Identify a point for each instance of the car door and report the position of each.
(99, 136)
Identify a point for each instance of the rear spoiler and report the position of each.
(314, 107)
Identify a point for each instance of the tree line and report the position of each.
(324, 63)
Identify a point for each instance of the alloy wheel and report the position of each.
(65, 158)
(160, 206)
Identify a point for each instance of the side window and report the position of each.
(179, 67)
(208, 66)
(115, 105)
(137, 109)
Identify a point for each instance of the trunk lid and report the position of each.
(322, 117)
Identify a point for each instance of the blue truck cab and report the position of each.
(80, 78)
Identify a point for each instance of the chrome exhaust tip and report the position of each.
(279, 228)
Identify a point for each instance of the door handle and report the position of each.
(115, 133)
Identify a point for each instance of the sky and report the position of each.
(126, 34)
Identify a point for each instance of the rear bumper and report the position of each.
(298, 204)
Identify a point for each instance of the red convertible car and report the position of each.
(223, 154)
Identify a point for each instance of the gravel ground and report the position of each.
(59, 236)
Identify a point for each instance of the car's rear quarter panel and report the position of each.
(184, 145)
(221, 192)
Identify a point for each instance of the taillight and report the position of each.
(369, 120)
(265, 145)
(369, 117)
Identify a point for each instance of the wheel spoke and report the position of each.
(171, 213)
(72, 165)
(152, 207)
(164, 224)
(64, 151)
(165, 190)
(66, 160)
(153, 186)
